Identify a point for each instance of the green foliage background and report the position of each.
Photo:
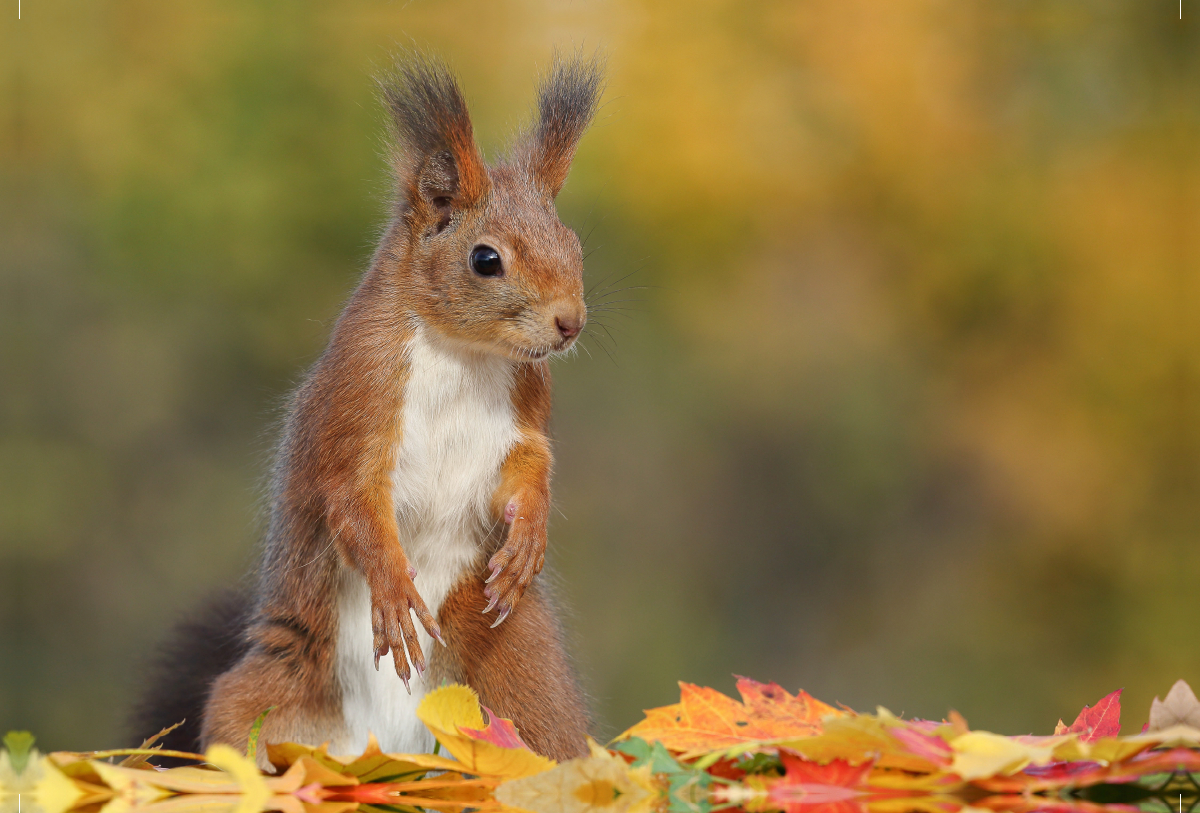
(908, 416)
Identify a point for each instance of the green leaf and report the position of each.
(19, 745)
(688, 785)
(655, 755)
(255, 731)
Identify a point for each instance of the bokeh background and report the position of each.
(904, 410)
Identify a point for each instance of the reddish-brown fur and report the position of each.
(332, 500)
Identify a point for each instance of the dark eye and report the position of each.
(485, 261)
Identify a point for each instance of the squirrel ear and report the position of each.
(567, 101)
(433, 153)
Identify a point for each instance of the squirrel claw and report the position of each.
(437, 636)
(407, 688)
(377, 660)
(491, 604)
(495, 573)
(503, 615)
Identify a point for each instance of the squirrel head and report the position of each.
(482, 247)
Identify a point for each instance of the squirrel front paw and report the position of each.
(392, 625)
(514, 566)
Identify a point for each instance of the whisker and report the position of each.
(624, 313)
(600, 344)
(617, 281)
(607, 337)
(616, 302)
(609, 334)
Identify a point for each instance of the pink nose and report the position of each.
(568, 326)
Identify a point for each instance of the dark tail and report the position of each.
(199, 650)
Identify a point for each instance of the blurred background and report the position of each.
(905, 409)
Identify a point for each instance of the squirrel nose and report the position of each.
(568, 325)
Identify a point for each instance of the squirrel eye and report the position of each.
(485, 261)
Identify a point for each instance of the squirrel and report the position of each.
(413, 476)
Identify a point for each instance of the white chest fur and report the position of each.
(457, 427)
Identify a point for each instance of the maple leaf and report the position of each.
(705, 720)
(1179, 708)
(1100, 720)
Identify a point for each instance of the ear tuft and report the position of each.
(567, 102)
(433, 151)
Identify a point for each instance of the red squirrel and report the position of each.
(411, 489)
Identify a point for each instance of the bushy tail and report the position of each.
(199, 650)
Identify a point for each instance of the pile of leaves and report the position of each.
(769, 751)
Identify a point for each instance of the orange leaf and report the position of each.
(705, 720)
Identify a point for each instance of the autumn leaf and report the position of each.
(705, 720)
(924, 745)
(597, 783)
(1179, 708)
(1100, 720)
(498, 731)
(811, 782)
(55, 791)
(979, 754)
(372, 766)
(861, 738)
(685, 782)
(452, 711)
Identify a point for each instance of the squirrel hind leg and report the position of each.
(181, 676)
(283, 673)
(520, 669)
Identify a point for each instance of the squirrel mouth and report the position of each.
(532, 353)
(538, 353)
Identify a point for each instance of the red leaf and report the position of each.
(838, 772)
(498, 731)
(1100, 720)
(810, 787)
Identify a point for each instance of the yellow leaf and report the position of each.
(54, 790)
(448, 709)
(372, 766)
(188, 779)
(187, 803)
(254, 789)
(1176, 736)
(598, 783)
(979, 754)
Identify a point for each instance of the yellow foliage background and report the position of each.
(908, 413)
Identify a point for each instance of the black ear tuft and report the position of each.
(434, 149)
(567, 102)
